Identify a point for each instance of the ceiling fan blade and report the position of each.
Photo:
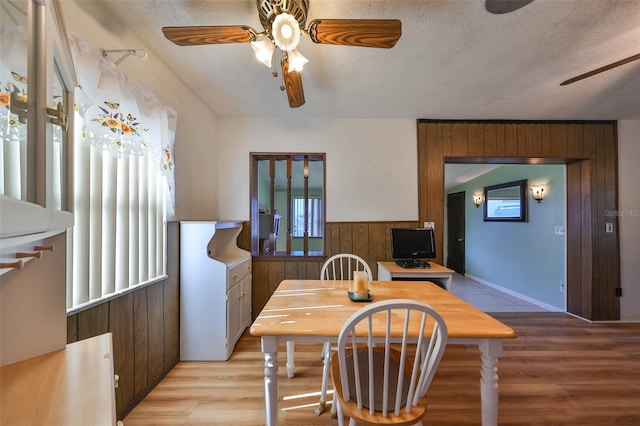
(193, 36)
(293, 85)
(601, 69)
(383, 33)
(504, 6)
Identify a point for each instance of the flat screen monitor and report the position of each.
(412, 243)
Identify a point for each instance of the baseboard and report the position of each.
(515, 294)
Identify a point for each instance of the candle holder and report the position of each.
(359, 287)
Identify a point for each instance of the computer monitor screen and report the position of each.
(412, 243)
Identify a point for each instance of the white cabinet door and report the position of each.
(245, 301)
(234, 316)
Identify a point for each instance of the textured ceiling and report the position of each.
(454, 60)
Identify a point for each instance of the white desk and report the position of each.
(390, 271)
(314, 311)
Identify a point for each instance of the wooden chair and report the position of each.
(399, 344)
(337, 267)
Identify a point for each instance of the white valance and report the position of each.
(121, 116)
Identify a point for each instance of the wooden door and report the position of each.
(455, 231)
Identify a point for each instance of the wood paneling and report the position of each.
(574, 240)
(589, 149)
(93, 321)
(171, 317)
(155, 309)
(72, 329)
(121, 326)
(141, 326)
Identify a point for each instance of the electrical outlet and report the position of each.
(429, 225)
(562, 287)
(609, 227)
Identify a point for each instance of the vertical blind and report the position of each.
(122, 182)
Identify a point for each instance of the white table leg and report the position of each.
(270, 350)
(291, 360)
(490, 350)
(448, 283)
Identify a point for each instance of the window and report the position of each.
(315, 217)
(287, 204)
(122, 175)
(119, 231)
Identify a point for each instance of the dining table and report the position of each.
(316, 310)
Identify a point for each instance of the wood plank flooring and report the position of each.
(559, 371)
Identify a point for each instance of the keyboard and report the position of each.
(412, 263)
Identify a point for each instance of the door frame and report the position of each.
(589, 149)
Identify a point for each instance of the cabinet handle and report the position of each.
(36, 255)
(15, 265)
(43, 248)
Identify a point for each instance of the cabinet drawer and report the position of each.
(237, 272)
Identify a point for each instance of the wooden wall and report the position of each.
(369, 240)
(590, 151)
(146, 331)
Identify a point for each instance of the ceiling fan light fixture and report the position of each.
(264, 50)
(296, 61)
(285, 31)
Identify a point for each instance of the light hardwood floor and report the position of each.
(559, 371)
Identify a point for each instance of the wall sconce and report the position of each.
(537, 192)
(477, 199)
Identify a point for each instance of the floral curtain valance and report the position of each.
(122, 116)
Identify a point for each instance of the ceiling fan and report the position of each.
(283, 22)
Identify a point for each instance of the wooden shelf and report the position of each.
(74, 385)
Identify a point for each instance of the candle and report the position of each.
(360, 284)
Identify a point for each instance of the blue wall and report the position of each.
(525, 257)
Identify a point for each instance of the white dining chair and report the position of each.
(387, 380)
(337, 267)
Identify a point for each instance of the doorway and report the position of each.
(456, 231)
(589, 149)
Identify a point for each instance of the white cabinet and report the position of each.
(215, 290)
(33, 319)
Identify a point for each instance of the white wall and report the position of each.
(371, 164)
(197, 126)
(629, 217)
